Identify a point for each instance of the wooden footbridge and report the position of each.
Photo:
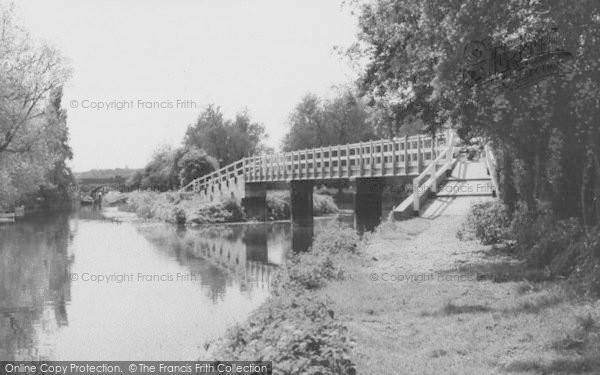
(369, 165)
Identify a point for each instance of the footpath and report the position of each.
(421, 301)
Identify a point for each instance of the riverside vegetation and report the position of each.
(530, 308)
(296, 328)
(182, 208)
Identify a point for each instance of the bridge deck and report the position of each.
(382, 158)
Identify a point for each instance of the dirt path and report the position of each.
(422, 302)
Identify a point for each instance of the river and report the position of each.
(84, 286)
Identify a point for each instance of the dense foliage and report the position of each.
(226, 140)
(295, 329)
(211, 143)
(278, 205)
(33, 129)
(487, 221)
(315, 122)
(179, 208)
(547, 134)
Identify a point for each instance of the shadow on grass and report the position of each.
(533, 306)
(581, 365)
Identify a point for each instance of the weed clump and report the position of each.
(486, 221)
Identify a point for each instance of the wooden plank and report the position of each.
(348, 167)
(394, 156)
(406, 155)
(339, 158)
(371, 158)
(419, 156)
(382, 159)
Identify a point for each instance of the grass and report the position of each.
(515, 323)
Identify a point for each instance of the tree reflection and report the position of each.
(34, 283)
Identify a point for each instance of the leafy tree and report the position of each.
(547, 133)
(317, 123)
(195, 163)
(33, 135)
(162, 172)
(228, 141)
(59, 179)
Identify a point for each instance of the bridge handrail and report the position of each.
(431, 172)
(251, 163)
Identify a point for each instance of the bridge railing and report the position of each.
(385, 157)
(428, 179)
(380, 158)
(225, 174)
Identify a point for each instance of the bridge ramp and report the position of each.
(468, 183)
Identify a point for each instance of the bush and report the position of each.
(324, 205)
(298, 334)
(178, 208)
(306, 271)
(235, 209)
(552, 247)
(337, 239)
(486, 221)
(179, 215)
(311, 270)
(278, 205)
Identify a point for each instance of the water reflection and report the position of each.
(224, 273)
(34, 283)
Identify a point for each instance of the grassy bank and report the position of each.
(419, 300)
(177, 208)
(297, 328)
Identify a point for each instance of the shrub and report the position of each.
(336, 239)
(312, 269)
(553, 245)
(179, 215)
(235, 209)
(306, 271)
(298, 334)
(278, 205)
(487, 221)
(324, 205)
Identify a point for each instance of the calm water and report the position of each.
(83, 287)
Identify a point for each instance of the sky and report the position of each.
(144, 70)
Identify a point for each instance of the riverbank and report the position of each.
(296, 328)
(178, 208)
(423, 301)
(416, 299)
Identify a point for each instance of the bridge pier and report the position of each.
(301, 204)
(368, 200)
(255, 200)
(301, 207)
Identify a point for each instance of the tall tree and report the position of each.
(547, 131)
(317, 123)
(228, 141)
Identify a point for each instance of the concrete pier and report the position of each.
(255, 200)
(368, 201)
(301, 203)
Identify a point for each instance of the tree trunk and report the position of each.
(509, 193)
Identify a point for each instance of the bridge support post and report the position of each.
(302, 214)
(368, 203)
(302, 202)
(255, 200)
